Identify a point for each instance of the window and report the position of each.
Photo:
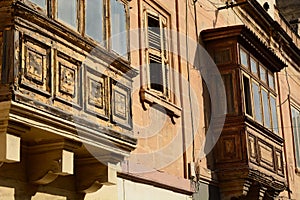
(94, 22)
(227, 79)
(118, 28)
(41, 3)
(296, 132)
(263, 73)
(247, 95)
(156, 53)
(266, 108)
(244, 58)
(259, 94)
(257, 101)
(271, 81)
(99, 20)
(67, 12)
(253, 64)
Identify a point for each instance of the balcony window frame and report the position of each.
(263, 86)
(51, 12)
(103, 27)
(77, 14)
(110, 34)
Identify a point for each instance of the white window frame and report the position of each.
(162, 53)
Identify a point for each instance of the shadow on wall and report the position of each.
(207, 192)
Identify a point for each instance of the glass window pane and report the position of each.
(156, 73)
(41, 3)
(244, 58)
(296, 132)
(271, 81)
(118, 28)
(263, 73)
(247, 95)
(227, 79)
(154, 38)
(67, 11)
(274, 114)
(257, 102)
(94, 19)
(253, 66)
(266, 109)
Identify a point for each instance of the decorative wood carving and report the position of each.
(35, 65)
(266, 155)
(96, 98)
(121, 104)
(68, 80)
(229, 148)
(252, 148)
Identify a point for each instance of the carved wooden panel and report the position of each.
(252, 148)
(229, 148)
(121, 113)
(35, 65)
(279, 162)
(68, 80)
(266, 155)
(223, 56)
(96, 98)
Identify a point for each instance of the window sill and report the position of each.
(152, 98)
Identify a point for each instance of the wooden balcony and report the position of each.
(66, 99)
(249, 153)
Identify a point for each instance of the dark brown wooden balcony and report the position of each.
(249, 153)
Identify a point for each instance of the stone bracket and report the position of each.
(45, 162)
(262, 191)
(91, 174)
(10, 147)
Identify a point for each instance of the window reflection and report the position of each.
(267, 121)
(41, 3)
(94, 19)
(256, 101)
(67, 11)
(274, 114)
(118, 27)
(244, 58)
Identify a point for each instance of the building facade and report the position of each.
(149, 99)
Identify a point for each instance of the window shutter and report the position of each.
(154, 35)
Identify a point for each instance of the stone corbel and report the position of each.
(10, 147)
(47, 161)
(262, 191)
(246, 187)
(10, 144)
(91, 174)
